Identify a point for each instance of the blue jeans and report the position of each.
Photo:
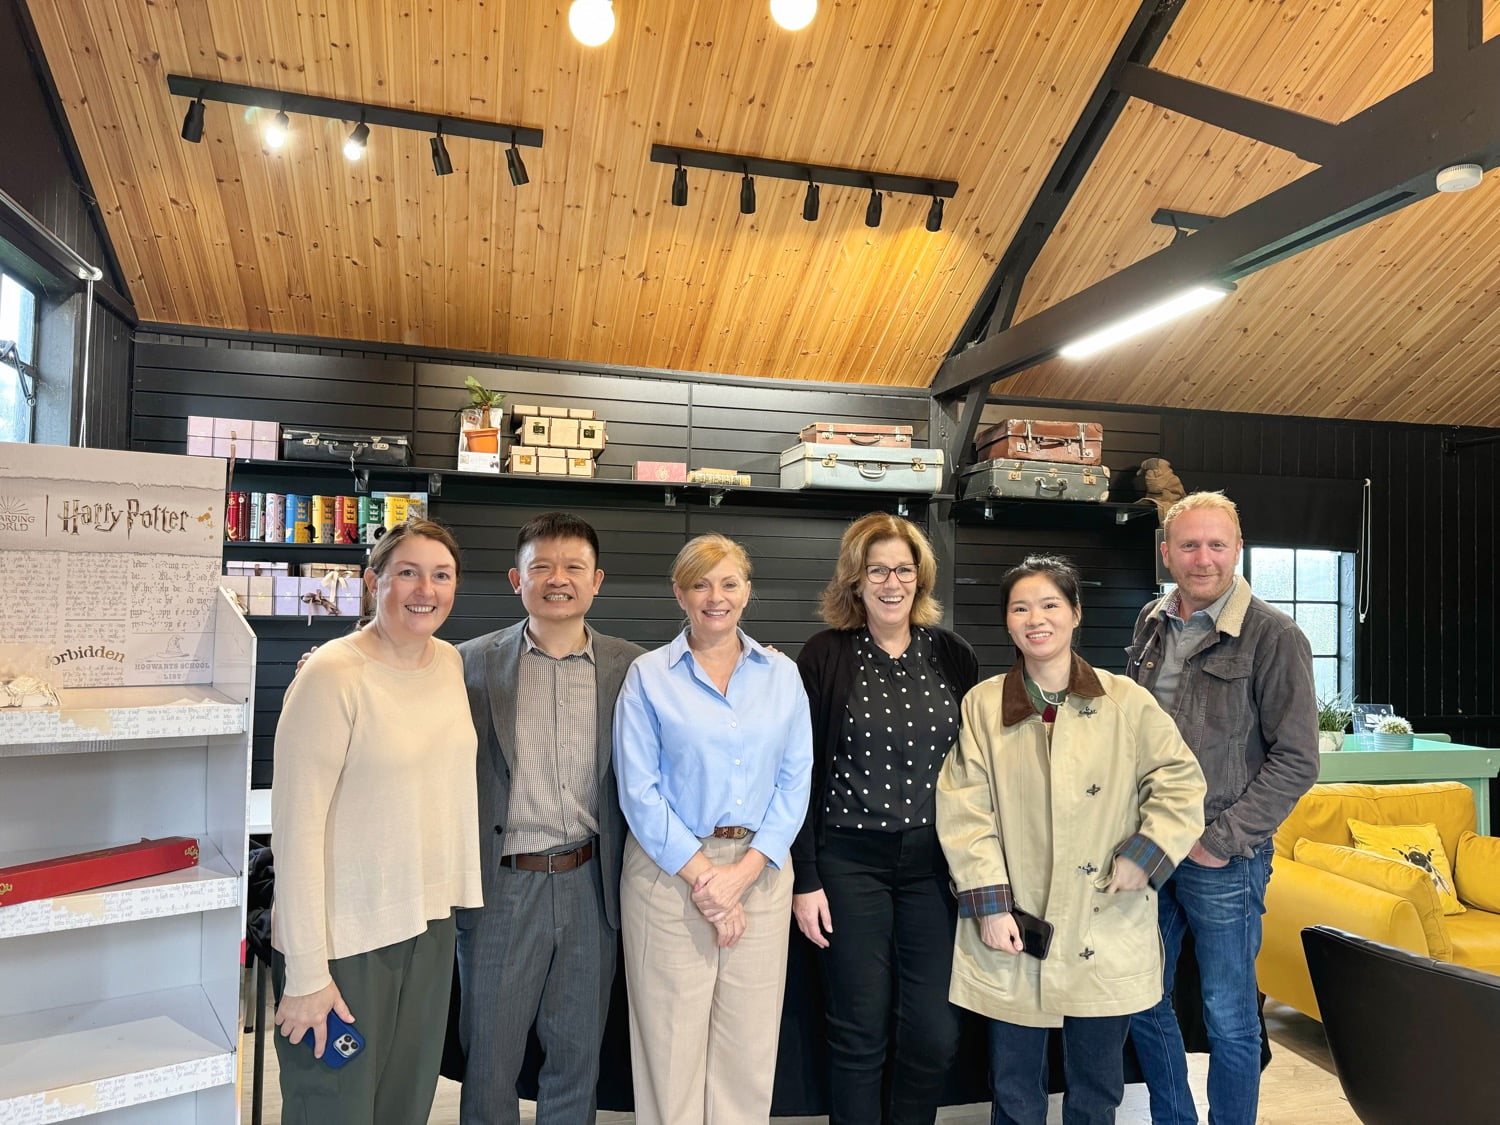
(1093, 1069)
(1223, 907)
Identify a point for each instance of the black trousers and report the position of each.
(892, 1034)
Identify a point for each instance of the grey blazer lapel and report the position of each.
(502, 664)
(608, 676)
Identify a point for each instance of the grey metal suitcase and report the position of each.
(1044, 480)
(873, 469)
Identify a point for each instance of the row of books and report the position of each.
(277, 517)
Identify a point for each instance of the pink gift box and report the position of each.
(200, 445)
(662, 470)
(234, 448)
(200, 425)
(349, 605)
(264, 450)
(287, 605)
(266, 431)
(234, 427)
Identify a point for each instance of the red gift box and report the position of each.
(87, 870)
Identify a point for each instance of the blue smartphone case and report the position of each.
(342, 1044)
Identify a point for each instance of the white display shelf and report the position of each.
(69, 1062)
(111, 716)
(211, 885)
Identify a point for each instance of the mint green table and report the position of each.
(1425, 761)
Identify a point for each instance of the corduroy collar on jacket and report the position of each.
(1015, 704)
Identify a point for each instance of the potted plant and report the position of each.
(480, 428)
(1335, 713)
(1392, 733)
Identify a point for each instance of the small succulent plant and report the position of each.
(1335, 712)
(1392, 724)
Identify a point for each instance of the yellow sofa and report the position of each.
(1302, 895)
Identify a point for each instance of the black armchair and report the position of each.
(1412, 1039)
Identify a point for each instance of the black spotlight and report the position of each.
(518, 174)
(192, 124)
(935, 215)
(872, 209)
(747, 195)
(441, 165)
(679, 187)
(810, 203)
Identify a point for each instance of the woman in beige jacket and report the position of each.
(1071, 797)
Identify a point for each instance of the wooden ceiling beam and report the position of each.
(1381, 160)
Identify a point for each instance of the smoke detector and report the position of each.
(1459, 177)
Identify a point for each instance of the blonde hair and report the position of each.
(840, 604)
(700, 555)
(1202, 501)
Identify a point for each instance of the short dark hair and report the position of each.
(1060, 571)
(557, 525)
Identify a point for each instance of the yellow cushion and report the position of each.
(1476, 940)
(1416, 844)
(1476, 869)
(1400, 879)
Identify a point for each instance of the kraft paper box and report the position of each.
(590, 436)
(576, 412)
(524, 409)
(262, 605)
(564, 433)
(88, 870)
(536, 431)
(555, 464)
(522, 461)
(581, 466)
(239, 586)
(553, 411)
(675, 471)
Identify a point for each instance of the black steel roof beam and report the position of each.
(996, 305)
(1457, 28)
(1307, 137)
(1384, 158)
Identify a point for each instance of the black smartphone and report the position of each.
(1036, 933)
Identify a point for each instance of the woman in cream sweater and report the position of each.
(374, 823)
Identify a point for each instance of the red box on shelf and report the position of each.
(88, 870)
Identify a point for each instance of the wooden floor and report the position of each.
(1299, 1087)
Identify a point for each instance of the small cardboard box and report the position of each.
(262, 605)
(590, 436)
(579, 412)
(261, 586)
(553, 411)
(552, 462)
(564, 433)
(536, 432)
(670, 471)
(522, 461)
(580, 466)
(525, 409)
(239, 586)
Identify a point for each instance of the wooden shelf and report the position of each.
(211, 885)
(113, 715)
(56, 1065)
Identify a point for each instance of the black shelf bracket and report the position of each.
(434, 484)
(362, 480)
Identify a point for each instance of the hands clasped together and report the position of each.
(718, 890)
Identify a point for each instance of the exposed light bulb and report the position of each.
(592, 22)
(794, 15)
(354, 147)
(276, 132)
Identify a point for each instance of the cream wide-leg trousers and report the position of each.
(704, 1021)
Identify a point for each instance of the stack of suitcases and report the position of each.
(860, 455)
(1022, 458)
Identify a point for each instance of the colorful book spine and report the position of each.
(275, 517)
(299, 525)
(234, 515)
(322, 518)
(371, 519)
(346, 519)
(397, 508)
(257, 517)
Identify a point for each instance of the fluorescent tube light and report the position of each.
(1169, 309)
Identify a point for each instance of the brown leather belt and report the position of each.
(554, 863)
(731, 832)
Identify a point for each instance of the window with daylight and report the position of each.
(18, 321)
(1317, 589)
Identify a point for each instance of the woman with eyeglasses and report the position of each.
(870, 883)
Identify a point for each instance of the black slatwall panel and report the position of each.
(108, 418)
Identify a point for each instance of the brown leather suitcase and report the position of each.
(858, 433)
(1026, 439)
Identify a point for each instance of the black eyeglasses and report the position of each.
(879, 574)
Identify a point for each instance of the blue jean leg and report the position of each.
(1092, 1070)
(1223, 907)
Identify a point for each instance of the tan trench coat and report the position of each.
(1046, 822)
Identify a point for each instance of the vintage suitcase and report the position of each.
(858, 433)
(823, 465)
(355, 449)
(1011, 480)
(1072, 443)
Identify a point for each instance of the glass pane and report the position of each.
(1321, 624)
(1271, 572)
(1325, 675)
(1318, 575)
(1288, 608)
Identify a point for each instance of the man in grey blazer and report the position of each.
(542, 948)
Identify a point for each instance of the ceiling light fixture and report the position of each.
(276, 132)
(1169, 309)
(434, 126)
(192, 123)
(441, 165)
(354, 147)
(935, 215)
(794, 15)
(592, 22)
(515, 166)
(811, 202)
(811, 177)
(1455, 177)
(679, 187)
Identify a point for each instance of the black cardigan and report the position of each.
(827, 664)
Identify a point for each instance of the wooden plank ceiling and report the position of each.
(590, 263)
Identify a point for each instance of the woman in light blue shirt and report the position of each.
(713, 753)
